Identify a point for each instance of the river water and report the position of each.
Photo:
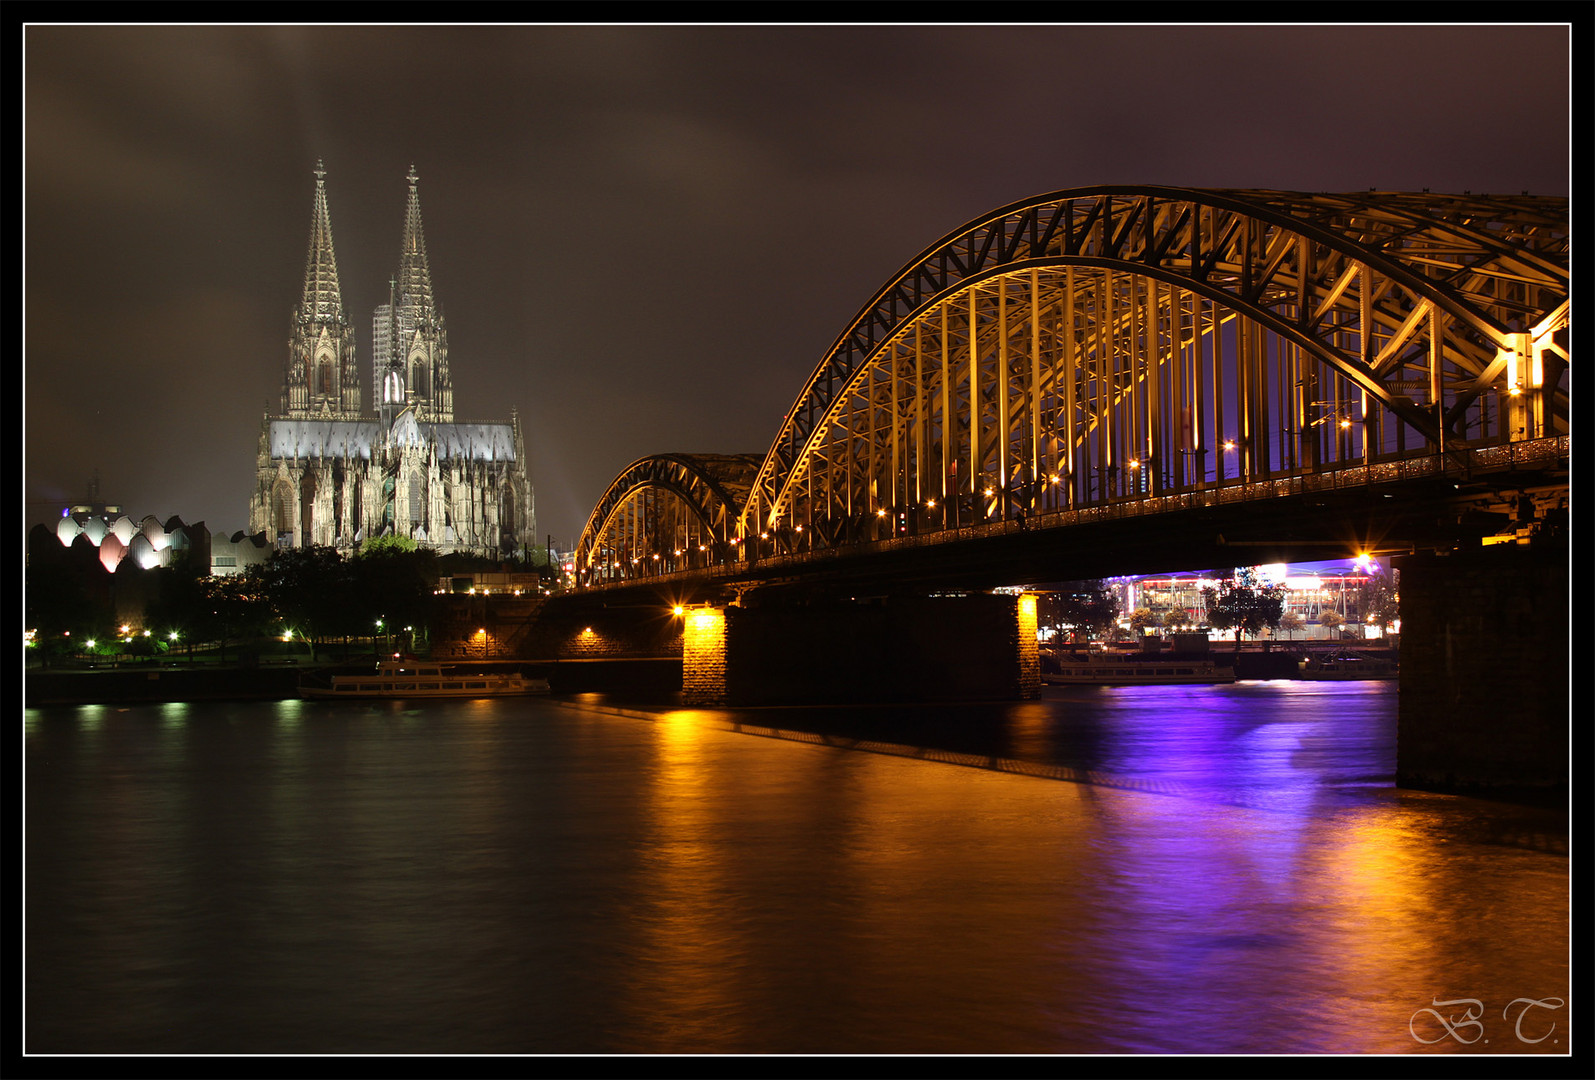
(1153, 870)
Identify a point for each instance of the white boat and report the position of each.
(1349, 667)
(421, 679)
(1120, 671)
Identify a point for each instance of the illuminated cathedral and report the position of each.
(328, 474)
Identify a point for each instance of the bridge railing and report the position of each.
(1537, 453)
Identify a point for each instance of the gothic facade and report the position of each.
(329, 474)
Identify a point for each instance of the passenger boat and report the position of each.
(420, 679)
(1348, 667)
(1122, 671)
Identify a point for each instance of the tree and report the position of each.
(1177, 618)
(1083, 606)
(386, 545)
(238, 610)
(1220, 618)
(1377, 600)
(1291, 622)
(182, 602)
(393, 583)
(308, 589)
(1330, 621)
(64, 603)
(1143, 619)
(1249, 608)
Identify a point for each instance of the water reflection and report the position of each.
(1121, 872)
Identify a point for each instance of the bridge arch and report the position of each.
(1113, 343)
(665, 512)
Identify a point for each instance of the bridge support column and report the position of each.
(899, 649)
(1484, 707)
(703, 656)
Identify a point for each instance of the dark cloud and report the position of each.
(643, 238)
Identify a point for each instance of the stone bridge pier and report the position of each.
(1484, 707)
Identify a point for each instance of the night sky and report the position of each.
(642, 238)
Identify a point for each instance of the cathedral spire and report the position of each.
(412, 361)
(322, 298)
(415, 277)
(320, 378)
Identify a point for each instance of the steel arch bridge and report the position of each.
(1102, 347)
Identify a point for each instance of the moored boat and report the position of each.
(1124, 671)
(1349, 667)
(421, 679)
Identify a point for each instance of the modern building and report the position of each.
(116, 538)
(235, 554)
(330, 474)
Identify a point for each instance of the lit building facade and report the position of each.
(118, 540)
(1308, 594)
(329, 474)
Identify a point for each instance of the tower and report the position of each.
(410, 363)
(320, 379)
(327, 475)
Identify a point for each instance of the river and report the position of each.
(1155, 870)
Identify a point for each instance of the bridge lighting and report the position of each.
(1229, 444)
(988, 491)
(931, 503)
(678, 611)
(1135, 463)
(1345, 422)
(1516, 390)
(882, 513)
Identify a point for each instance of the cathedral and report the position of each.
(329, 474)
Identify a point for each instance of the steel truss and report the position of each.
(1104, 345)
(666, 513)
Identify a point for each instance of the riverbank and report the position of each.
(159, 683)
(274, 681)
(147, 683)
